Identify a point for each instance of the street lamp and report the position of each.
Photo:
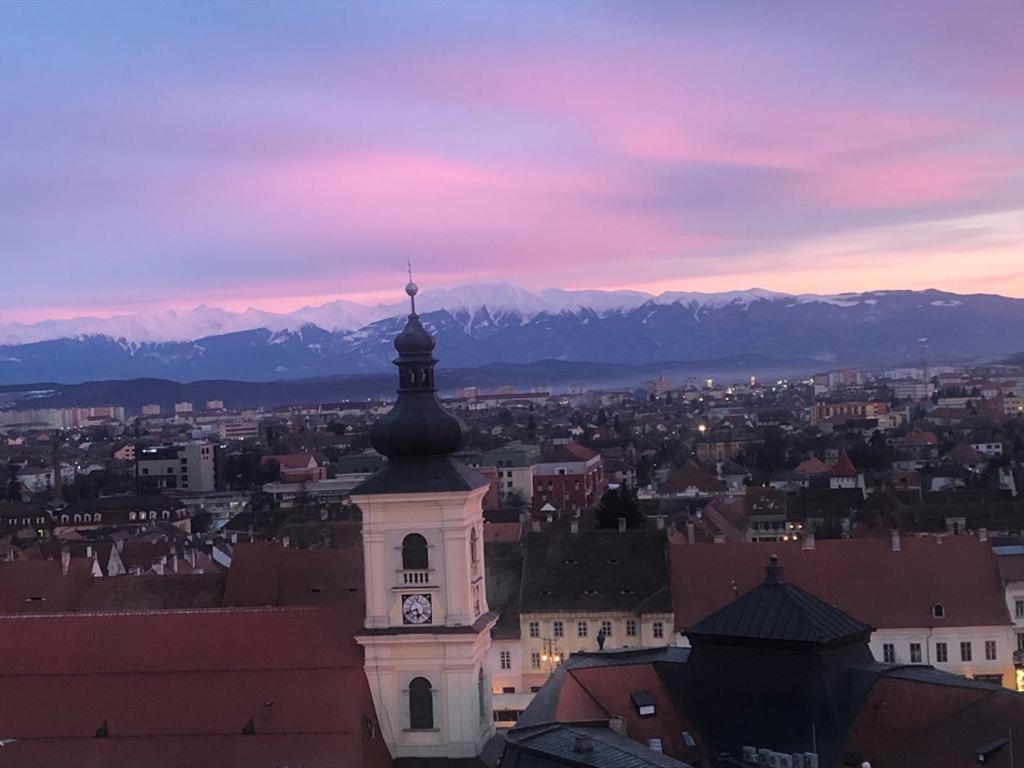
(552, 654)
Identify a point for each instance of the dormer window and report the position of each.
(938, 611)
(643, 701)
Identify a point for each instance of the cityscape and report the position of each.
(310, 459)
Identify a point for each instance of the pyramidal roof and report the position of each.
(775, 612)
(844, 467)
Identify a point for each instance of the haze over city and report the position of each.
(162, 156)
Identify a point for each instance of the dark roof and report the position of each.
(423, 475)
(555, 744)
(155, 502)
(777, 612)
(504, 571)
(596, 569)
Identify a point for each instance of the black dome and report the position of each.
(414, 339)
(418, 425)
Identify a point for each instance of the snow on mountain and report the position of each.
(166, 325)
(718, 299)
(504, 303)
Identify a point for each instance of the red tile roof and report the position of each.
(691, 475)
(862, 577)
(843, 467)
(269, 574)
(812, 466)
(177, 687)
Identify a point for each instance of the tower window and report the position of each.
(473, 545)
(414, 553)
(421, 704)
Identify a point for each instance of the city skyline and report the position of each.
(169, 157)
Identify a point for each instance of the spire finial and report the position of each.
(412, 289)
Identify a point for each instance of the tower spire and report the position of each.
(411, 288)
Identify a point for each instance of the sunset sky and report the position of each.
(157, 154)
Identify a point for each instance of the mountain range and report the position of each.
(501, 323)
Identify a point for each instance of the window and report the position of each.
(534, 629)
(941, 654)
(508, 689)
(414, 554)
(534, 659)
(658, 629)
(938, 612)
(581, 629)
(630, 628)
(965, 651)
(990, 650)
(421, 704)
(534, 688)
(994, 679)
(472, 545)
(1018, 609)
(915, 653)
(606, 628)
(888, 653)
(558, 629)
(505, 659)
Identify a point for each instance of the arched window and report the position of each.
(473, 545)
(414, 553)
(78, 518)
(421, 704)
(938, 612)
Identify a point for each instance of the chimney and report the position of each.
(617, 724)
(661, 522)
(535, 526)
(65, 560)
(691, 532)
(983, 534)
(120, 545)
(286, 542)
(190, 556)
(895, 539)
(88, 550)
(583, 744)
(622, 525)
(808, 541)
(172, 561)
(574, 527)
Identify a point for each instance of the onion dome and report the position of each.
(418, 426)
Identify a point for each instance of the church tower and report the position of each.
(427, 628)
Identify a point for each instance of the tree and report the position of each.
(616, 503)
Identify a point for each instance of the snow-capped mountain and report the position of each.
(479, 325)
(498, 298)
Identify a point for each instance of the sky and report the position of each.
(280, 154)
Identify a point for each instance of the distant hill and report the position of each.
(508, 325)
(557, 375)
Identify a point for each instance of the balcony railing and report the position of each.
(410, 578)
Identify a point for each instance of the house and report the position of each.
(298, 467)
(691, 479)
(932, 600)
(844, 475)
(775, 676)
(579, 590)
(570, 476)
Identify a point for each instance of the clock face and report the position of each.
(416, 609)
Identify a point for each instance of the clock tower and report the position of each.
(427, 629)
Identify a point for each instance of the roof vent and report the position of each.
(583, 744)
